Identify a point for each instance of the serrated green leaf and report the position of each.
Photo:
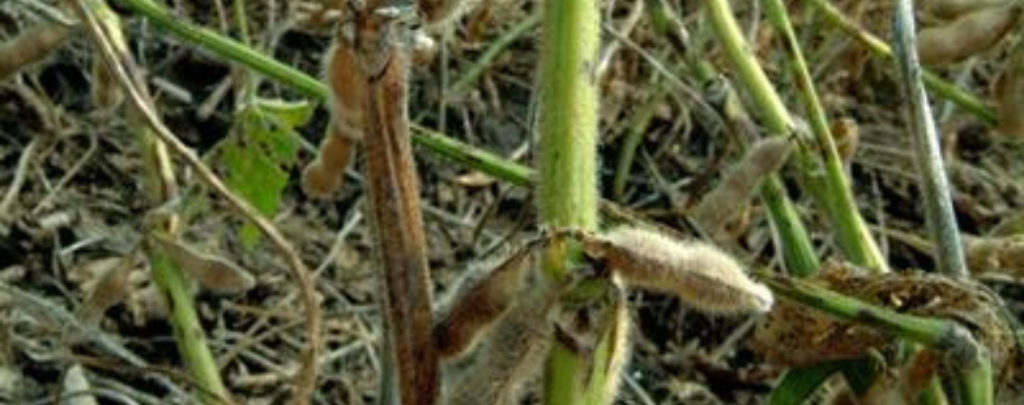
(260, 152)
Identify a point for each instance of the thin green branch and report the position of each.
(795, 242)
(837, 199)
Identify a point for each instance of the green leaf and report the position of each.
(799, 384)
(260, 152)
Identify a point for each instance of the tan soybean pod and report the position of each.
(968, 35)
(1009, 94)
(476, 301)
(32, 45)
(947, 9)
(723, 204)
(212, 272)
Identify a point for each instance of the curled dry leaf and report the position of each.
(31, 46)
(699, 273)
(723, 204)
(105, 92)
(794, 335)
(212, 272)
(968, 35)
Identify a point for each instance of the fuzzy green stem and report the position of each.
(188, 332)
(798, 253)
(837, 200)
(567, 188)
(567, 164)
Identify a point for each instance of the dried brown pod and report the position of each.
(323, 176)
(510, 356)
(847, 138)
(1009, 95)
(476, 301)
(212, 272)
(31, 46)
(947, 9)
(794, 335)
(700, 274)
(968, 35)
(105, 284)
(723, 204)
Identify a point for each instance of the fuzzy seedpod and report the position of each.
(1009, 95)
(347, 86)
(968, 35)
(476, 301)
(700, 274)
(212, 272)
(510, 356)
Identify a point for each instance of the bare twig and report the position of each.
(305, 379)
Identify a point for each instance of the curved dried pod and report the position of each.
(31, 46)
(723, 204)
(948, 9)
(476, 301)
(212, 272)
(699, 273)
(794, 335)
(968, 35)
(1009, 95)
(510, 355)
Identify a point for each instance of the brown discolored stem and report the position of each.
(410, 376)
